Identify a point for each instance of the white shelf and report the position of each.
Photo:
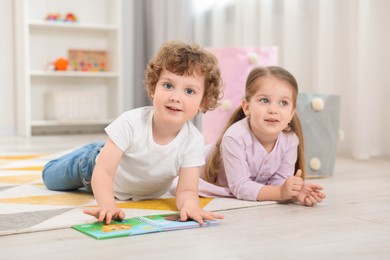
(71, 25)
(51, 101)
(86, 74)
(76, 122)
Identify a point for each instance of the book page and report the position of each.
(172, 222)
(127, 227)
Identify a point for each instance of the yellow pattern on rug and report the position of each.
(158, 204)
(65, 199)
(29, 168)
(21, 157)
(36, 165)
(19, 179)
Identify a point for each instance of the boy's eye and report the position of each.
(168, 86)
(264, 100)
(189, 91)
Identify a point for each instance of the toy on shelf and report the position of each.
(61, 64)
(53, 17)
(57, 17)
(88, 60)
(70, 17)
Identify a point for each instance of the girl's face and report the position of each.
(270, 109)
(177, 99)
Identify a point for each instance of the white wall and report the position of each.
(7, 105)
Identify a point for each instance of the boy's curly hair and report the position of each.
(186, 59)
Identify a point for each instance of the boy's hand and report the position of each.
(198, 214)
(106, 214)
(187, 198)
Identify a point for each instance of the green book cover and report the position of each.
(139, 225)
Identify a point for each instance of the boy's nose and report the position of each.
(174, 97)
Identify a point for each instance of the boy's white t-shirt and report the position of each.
(147, 169)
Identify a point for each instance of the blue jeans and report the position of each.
(73, 170)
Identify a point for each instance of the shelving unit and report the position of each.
(39, 42)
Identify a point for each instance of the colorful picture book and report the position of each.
(139, 225)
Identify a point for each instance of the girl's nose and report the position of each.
(272, 109)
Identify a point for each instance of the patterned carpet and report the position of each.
(26, 205)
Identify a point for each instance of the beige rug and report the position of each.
(26, 205)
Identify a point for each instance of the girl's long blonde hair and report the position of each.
(214, 163)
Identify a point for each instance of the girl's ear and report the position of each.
(245, 106)
(292, 113)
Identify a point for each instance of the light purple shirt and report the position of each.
(248, 166)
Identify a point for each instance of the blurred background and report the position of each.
(332, 47)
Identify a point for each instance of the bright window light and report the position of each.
(204, 5)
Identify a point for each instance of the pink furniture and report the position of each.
(235, 64)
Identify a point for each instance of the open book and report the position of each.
(139, 225)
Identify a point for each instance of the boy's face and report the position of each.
(178, 99)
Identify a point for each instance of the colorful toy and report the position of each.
(88, 60)
(61, 64)
(56, 17)
(53, 17)
(70, 18)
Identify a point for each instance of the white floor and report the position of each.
(352, 223)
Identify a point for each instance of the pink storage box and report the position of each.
(235, 64)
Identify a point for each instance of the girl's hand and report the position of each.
(310, 194)
(198, 214)
(292, 186)
(106, 214)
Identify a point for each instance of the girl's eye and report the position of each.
(283, 103)
(264, 100)
(189, 91)
(168, 86)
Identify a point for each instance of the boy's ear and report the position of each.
(201, 108)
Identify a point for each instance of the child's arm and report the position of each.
(102, 184)
(288, 190)
(187, 199)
